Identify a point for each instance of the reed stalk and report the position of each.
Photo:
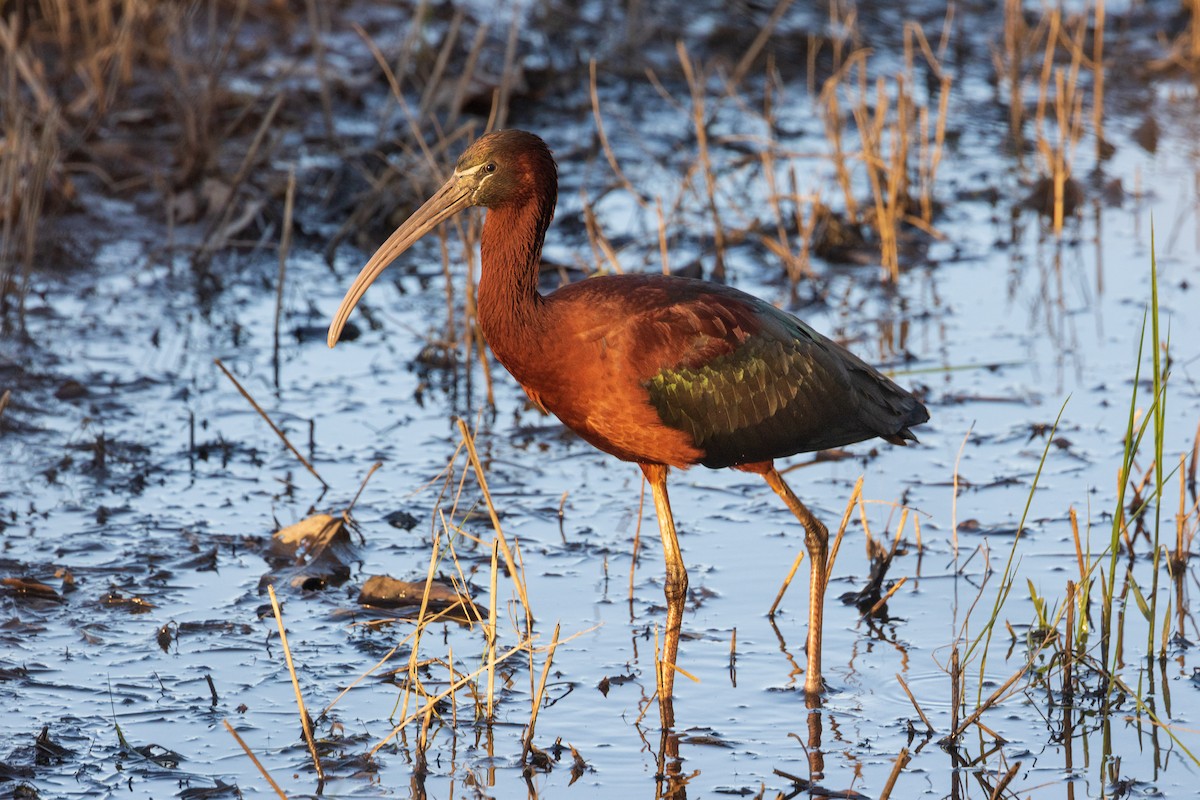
(695, 82)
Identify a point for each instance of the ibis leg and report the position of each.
(816, 541)
(675, 589)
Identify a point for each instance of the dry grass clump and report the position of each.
(899, 139)
(1052, 55)
(884, 141)
(71, 69)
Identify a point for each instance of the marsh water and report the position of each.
(142, 489)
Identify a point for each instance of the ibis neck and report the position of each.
(511, 312)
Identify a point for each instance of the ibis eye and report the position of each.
(490, 167)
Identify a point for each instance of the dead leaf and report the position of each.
(315, 551)
(385, 592)
(27, 587)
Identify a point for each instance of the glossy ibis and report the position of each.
(663, 371)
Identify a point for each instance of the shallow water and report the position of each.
(162, 483)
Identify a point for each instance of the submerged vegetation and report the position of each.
(179, 182)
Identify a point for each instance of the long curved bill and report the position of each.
(452, 198)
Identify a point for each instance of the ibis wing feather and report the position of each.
(765, 385)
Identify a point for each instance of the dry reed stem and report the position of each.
(902, 759)
(957, 685)
(637, 541)
(991, 734)
(793, 266)
(453, 694)
(832, 117)
(954, 489)
(414, 121)
(528, 612)
(1166, 632)
(361, 486)
(433, 699)
(434, 82)
(1009, 63)
(929, 155)
(420, 761)
(500, 106)
(760, 41)
(886, 174)
(663, 92)
(1002, 784)
(786, 582)
(24, 65)
(599, 243)
(805, 226)
(697, 89)
(1192, 467)
(899, 532)
(305, 723)
(466, 74)
(883, 600)
(4, 398)
(393, 81)
(457, 500)
(1079, 557)
(843, 18)
(1180, 516)
(912, 699)
(662, 237)
(855, 497)
(469, 440)
(491, 634)
(254, 759)
(11, 171)
(269, 422)
(539, 696)
(1068, 682)
(678, 670)
(1193, 29)
(604, 144)
(1185, 534)
(446, 474)
(313, 10)
(914, 34)
(285, 243)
